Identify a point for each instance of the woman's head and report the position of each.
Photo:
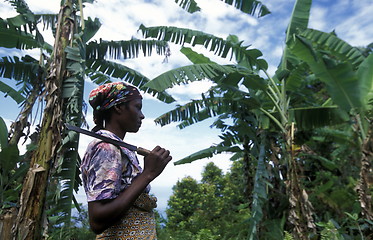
(105, 97)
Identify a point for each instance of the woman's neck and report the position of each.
(117, 131)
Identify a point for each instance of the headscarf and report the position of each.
(108, 95)
(111, 94)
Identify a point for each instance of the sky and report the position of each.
(352, 20)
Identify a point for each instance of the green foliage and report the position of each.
(211, 209)
(9, 91)
(250, 58)
(259, 191)
(12, 170)
(79, 227)
(298, 23)
(288, 236)
(188, 74)
(188, 5)
(329, 231)
(252, 7)
(340, 80)
(365, 75)
(319, 95)
(339, 48)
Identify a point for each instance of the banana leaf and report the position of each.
(207, 153)
(310, 118)
(252, 7)
(365, 76)
(14, 94)
(188, 74)
(298, 23)
(188, 5)
(124, 49)
(100, 69)
(338, 47)
(340, 79)
(13, 38)
(220, 47)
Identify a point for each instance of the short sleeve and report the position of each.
(102, 176)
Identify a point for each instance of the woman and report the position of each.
(119, 204)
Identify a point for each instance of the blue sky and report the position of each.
(351, 19)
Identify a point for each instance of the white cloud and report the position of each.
(44, 6)
(318, 18)
(360, 34)
(193, 90)
(6, 10)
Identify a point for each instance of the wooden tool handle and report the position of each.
(142, 151)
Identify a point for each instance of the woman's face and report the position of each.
(131, 115)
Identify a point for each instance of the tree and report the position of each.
(217, 209)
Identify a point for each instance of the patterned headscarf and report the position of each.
(111, 94)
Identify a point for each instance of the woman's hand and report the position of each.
(102, 214)
(155, 162)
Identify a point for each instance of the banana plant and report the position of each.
(284, 104)
(348, 78)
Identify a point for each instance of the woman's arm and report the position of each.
(104, 213)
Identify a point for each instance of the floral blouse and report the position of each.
(108, 169)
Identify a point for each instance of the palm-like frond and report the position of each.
(210, 105)
(26, 20)
(252, 7)
(192, 112)
(188, 74)
(25, 69)
(25, 17)
(48, 20)
(124, 49)
(341, 81)
(10, 37)
(298, 23)
(315, 117)
(218, 46)
(365, 76)
(295, 77)
(17, 96)
(100, 70)
(20, 5)
(195, 57)
(208, 153)
(68, 175)
(299, 18)
(335, 45)
(91, 28)
(188, 5)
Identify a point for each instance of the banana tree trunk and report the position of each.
(248, 170)
(365, 182)
(30, 221)
(301, 210)
(7, 219)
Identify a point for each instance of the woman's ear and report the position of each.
(117, 108)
